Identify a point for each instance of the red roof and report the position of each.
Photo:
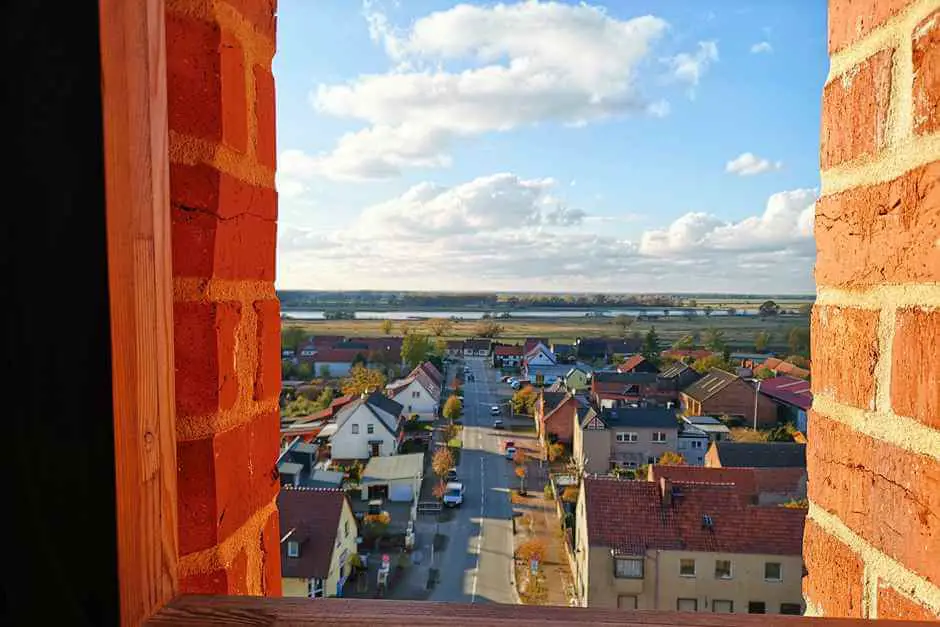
(338, 355)
(788, 390)
(311, 516)
(342, 400)
(505, 351)
(432, 371)
(630, 363)
(532, 342)
(785, 367)
(751, 482)
(735, 528)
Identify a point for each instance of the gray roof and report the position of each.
(375, 401)
(289, 468)
(385, 403)
(553, 400)
(761, 454)
(625, 377)
(325, 478)
(709, 385)
(394, 467)
(651, 417)
(674, 370)
(585, 414)
(702, 420)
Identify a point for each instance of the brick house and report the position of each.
(555, 415)
(756, 486)
(756, 455)
(721, 393)
(614, 389)
(637, 363)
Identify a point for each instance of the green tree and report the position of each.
(650, 349)
(325, 398)
(798, 360)
(453, 408)
(300, 406)
(761, 341)
(763, 372)
(715, 339)
(623, 322)
(523, 401)
(798, 340)
(362, 379)
(705, 364)
(359, 360)
(292, 337)
(324, 371)
(386, 327)
(671, 458)
(684, 342)
(768, 308)
(416, 348)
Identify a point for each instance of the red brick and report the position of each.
(263, 449)
(851, 20)
(915, 371)
(206, 380)
(230, 580)
(883, 233)
(268, 374)
(845, 351)
(261, 13)
(855, 111)
(265, 115)
(271, 557)
(835, 574)
(887, 495)
(201, 187)
(893, 605)
(241, 247)
(926, 56)
(206, 95)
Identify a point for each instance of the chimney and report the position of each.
(665, 488)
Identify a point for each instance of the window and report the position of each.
(415, 394)
(724, 606)
(687, 605)
(355, 429)
(293, 548)
(370, 428)
(659, 436)
(791, 608)
(687, 567)
(629, 568)
(773, 571)
(696, 444)
(627, 437)
(626, 602)
(722, 569)
(756, 607)
(314, 588)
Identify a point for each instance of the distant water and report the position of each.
(318, 314)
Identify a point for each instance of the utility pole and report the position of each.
(756, 394)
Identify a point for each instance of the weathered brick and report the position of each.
(884, 233)
(230, 580)
(204, 343)
(855, 111)
(268, 373)
(204, 188)
(261, 14)
(263, 449)
(270, 543)
(242, 247)
(885, 494)
(836, 333)
(893, 605)
(926, 56)
(915, 370)
(265, 116)
(206, 94)
(851, 20)
(835, 573)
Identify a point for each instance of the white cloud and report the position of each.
(516, 65)
(762, 47)
(749, 164)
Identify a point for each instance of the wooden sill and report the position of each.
(213, 610)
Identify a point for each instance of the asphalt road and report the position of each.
(477, 563)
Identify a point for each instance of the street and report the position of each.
(477, 564)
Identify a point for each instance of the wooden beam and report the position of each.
(133, 83)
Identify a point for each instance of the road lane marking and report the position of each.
(476, 571)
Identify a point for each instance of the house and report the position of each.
(538, 355)
(318, 537)
(712, 427)
(507, 356)
(779, 367)
(396, 478)
(564, 353)
(602, 348)
(637, 363)
(691, 444)
(756, 455)
(532, 342)
(625, 346)
(627, 437)
(757, 486)
(476, 347)
(453, 348)
(691, 547)
(418, 393)
(578, 378)
(381, 350)
(614, 389)
(306, 350)
(337, 362)
(369, 426)
(721, 393)
(792, 396)
(555, 416)
(545, 374)
(678, 376)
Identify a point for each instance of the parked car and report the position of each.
(505, 378)
(453, 494)
(498, 423)
(495, 410)
(451, 475)
(508, 444)
(510, 451)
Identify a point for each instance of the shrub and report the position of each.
(549, 493)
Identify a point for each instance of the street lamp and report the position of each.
(756, 394)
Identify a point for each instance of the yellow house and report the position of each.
(690, 547)
(318, 540)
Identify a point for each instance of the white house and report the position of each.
(367, 427)
(539, 355)
(396, 478)
(692, 443)
(417, 394)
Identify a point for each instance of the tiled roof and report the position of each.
(374, 402)
(532, 342)
(649, 417)
(454, 344)
(784, 367)
(624, 378)
(432, 372)
(761, 454)
(735, 528)
(715, 381)
(630, 363)
(750, 481)
(789, 390)
(338, 355)
(389, 406)
(311, 516)
(505, 351)
(477, 344)
(677, 368)
(342, 400)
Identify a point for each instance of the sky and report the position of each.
(619, 146)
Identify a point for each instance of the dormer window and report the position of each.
(293, 548)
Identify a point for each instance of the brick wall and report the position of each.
(872, 544)
(224, 207)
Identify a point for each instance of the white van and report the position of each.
(453, 494)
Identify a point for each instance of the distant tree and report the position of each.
(453, 408)
(761, 341)
(292, 337)
(684, 342)
(650, 348)
(362, 379)
(439, 326)
(705, 364)
(489, 329)
(416, 348)
(324, 371)
(671, 458)
(325, 398)
(359, 360)
(437, 362)
(768, 308)
(386, 327)
(303, 371)
(715, 339)
(300, 406)
(523, 401)
(763, 372)
(798, 340)
(623, 322)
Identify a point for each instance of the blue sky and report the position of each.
(617, 146)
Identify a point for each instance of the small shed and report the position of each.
(290, 473)
(321, 478)
(396, 477)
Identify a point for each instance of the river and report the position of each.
(318, 314)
